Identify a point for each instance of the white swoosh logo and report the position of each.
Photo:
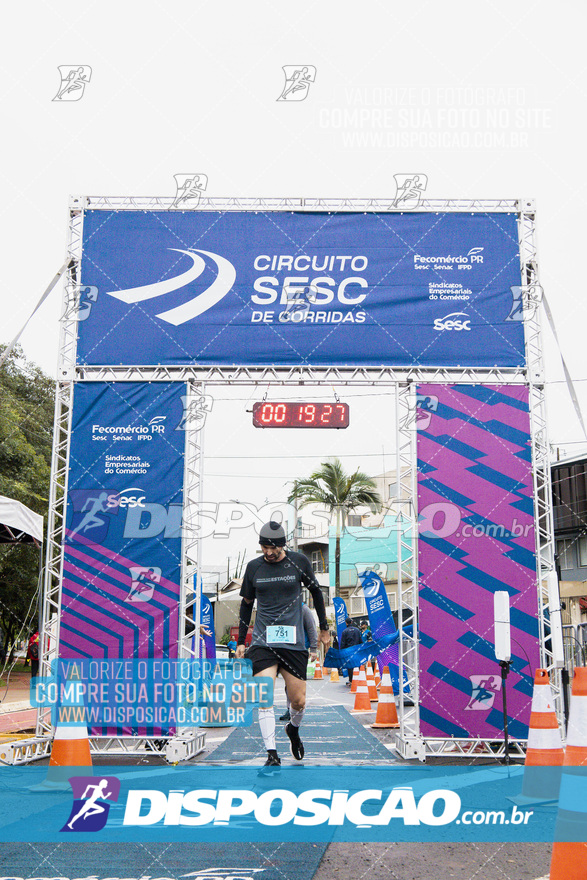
(194, 307)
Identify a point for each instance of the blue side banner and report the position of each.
(207, 619)
(382, 625)
(202, 804)
(122, 550)
(165, 287)
(384, 644)
(380, 618)
(340, 615)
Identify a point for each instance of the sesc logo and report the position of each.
(454, 321)
(92, 510)
(131, 497)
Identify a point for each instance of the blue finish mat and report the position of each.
(260, 861)
(331, 735)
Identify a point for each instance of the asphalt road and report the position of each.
(302, 861)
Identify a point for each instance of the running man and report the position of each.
(275, 580)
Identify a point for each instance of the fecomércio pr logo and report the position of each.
(92, 797)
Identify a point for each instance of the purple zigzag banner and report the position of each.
(475, 536)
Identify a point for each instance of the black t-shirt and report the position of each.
(277, 587)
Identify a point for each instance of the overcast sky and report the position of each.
(486, 99)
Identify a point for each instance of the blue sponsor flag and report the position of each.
(380, 617)
(356, 655)
(207, 620)
(383, 628)
(340, 614)
(353, 656)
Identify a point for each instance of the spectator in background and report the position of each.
(33, 653)
(231, 645)
(366, 633)
(311, 638)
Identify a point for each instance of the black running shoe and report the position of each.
(271, 766)
(295, 744)
(286, 716)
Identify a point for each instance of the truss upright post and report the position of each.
(51, 605)
(188, 741)
(543, 516)
(408, 741)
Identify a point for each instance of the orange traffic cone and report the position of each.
(569, 852)
(334, 676)
(71, 748)
(376, 674)
(355, 680)
(362, 701)
(544, 749)
(386, 709)
(371, 684)
(318, 672)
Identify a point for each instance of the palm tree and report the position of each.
(340, 493)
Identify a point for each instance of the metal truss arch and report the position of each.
(198, 378)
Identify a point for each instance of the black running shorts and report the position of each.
(295, 662)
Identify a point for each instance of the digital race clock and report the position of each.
(287, 414)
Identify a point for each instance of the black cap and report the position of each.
(272, 535)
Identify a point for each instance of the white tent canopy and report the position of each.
(18, 524)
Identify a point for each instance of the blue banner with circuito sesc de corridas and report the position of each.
(297, 288)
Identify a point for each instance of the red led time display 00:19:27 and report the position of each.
(289, 414)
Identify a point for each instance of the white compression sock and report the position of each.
(296, 716)
(267, 725)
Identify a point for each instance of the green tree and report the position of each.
(339, 493)
(26, 430)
